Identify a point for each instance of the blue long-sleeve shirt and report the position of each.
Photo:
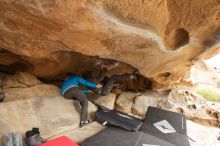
(75, 81)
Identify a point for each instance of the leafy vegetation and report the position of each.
(209, 94)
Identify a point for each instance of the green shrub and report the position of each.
(209, 94)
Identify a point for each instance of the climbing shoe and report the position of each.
(33, 137)
(84, 123)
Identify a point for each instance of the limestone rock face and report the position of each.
(142, 102)
(125, 101)
(23, 85)
(207, 75)
(107, 101)
(195, 107)
(21, 115)
(21, 79)
(136, 104)
(29, 102)
(159, 38)
(192, 105)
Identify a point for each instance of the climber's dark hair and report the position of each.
(70, 74)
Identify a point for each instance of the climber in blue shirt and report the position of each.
(70, 90)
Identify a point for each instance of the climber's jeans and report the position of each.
(109, 84)
(77, 94)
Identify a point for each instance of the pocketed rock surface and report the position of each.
(56, 116)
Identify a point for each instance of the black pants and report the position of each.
(108, 83)
(77, 94)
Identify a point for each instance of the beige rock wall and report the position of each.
(38, 36)
(183, 101)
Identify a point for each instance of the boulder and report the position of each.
(63, 119)
(107, 101)
(125, 102)
(53, 115)
(183, 101)
(194, 107)
(24, 85)
(142, 102)
(35, 91)
(20, 80)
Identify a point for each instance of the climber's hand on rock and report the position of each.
(90, 91)
(99, 86)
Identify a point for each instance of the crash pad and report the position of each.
(60, 141)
